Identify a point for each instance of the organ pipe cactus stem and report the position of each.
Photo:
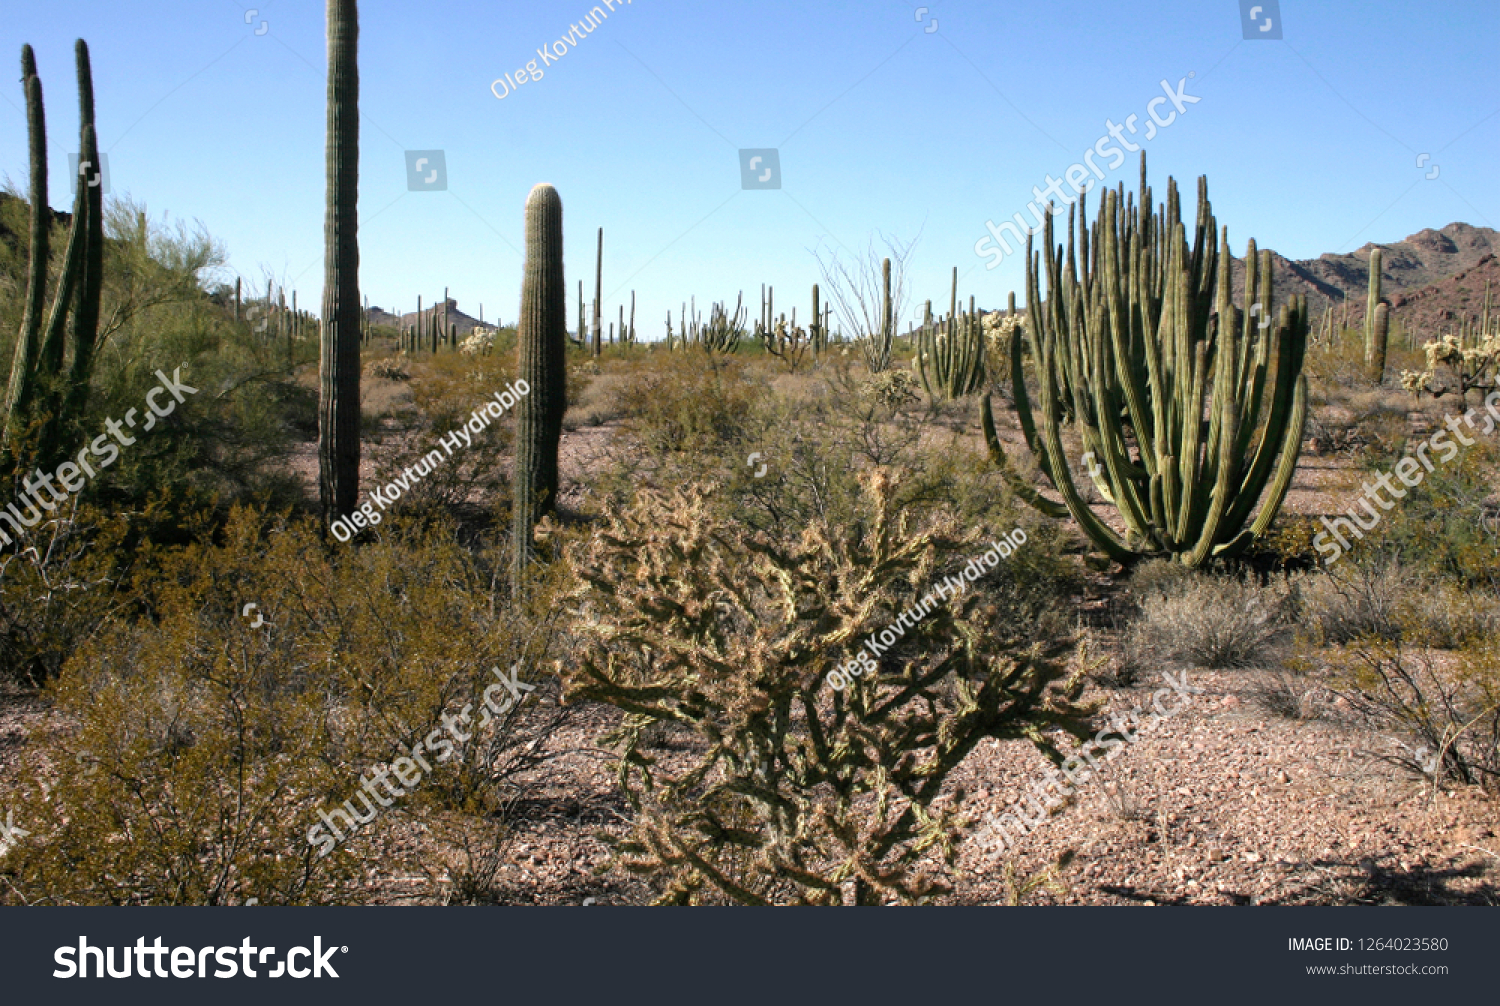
(38, 387)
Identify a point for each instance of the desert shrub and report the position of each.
(1208, 621)
(1386, 600)
(1446, 711)
(1287, 693)
(797, 792)
(688, 402)
(446, 391)
(196, 747)
(1446, 526)
(58, 582)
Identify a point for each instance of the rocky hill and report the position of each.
(1430, 278)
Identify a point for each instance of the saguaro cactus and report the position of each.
(338, 410)
(878, 345)
(598, 294)
(1126, 337)
(36, 379)
(1376, 324)
(542, 334)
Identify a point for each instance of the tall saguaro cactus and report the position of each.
(1139, 344)
(598, 295)
(338, 411)
(37, 383)
(878, 345)
(1376, 327)
(542, 334)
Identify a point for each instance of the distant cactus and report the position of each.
(724, 331)
(950, 358)
(877, 346)
(598, 295)
(1380, 333)
(1375, 336)
(338, 412)
(542, 334)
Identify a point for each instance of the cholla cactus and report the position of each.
(798, 793)
(1472, 354)
(1416, 382)
(894, 389)
(478, 342)
(788, 343)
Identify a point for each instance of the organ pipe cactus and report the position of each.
(1141, 336)
(338, 409)
(542, 334)
(37, 384)
(950, 356)
(724, 331)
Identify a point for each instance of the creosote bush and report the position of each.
(194, 749)
(795, 792)
(1447, 709)
(688, 402)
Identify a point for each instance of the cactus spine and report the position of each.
(542, 334)
(1134, 337)
(338, 413)
(1377, 323)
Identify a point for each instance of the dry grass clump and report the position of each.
(1205, 621)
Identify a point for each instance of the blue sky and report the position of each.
(1310, 143)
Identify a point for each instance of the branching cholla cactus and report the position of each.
(797, 793)
(1472, 354)
(479, 342)
(787, 342)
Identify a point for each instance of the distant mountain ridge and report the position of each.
(1430, 277)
